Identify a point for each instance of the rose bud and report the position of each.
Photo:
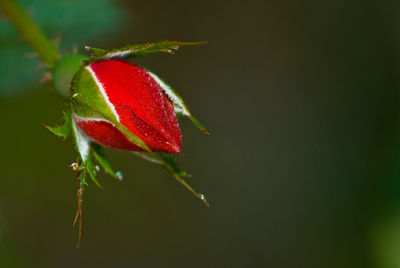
(120, 105)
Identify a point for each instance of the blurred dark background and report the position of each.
(301, 169)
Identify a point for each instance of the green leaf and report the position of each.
(64, 130)
(180, 106)
(98, 154)
(172, 167)
(139, 49)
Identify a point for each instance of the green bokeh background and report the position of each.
(301, 169)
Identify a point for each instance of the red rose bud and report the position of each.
(121, 106)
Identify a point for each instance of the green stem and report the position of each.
(46, 50)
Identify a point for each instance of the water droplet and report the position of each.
(97, 168)
(202, 196)
(119, 175)
(74, 166)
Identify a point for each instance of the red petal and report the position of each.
(106, 134)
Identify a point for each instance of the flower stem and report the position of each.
(32, 34)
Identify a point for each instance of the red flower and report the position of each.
(110, 96)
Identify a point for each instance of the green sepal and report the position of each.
(96, 52)
(136, 50)
(86, 98)
(172, 167)
(83, 146)
(180, 106)
(64, 130)
(100, 157)
(132, 137)
(82, 142)
(198, 124)
(92, 173)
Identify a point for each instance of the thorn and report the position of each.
(57, 40)
(41, 64)
(31, 55)
(47, 76)
(31, 11)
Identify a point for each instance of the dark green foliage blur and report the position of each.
(69, 22)
(301, 168)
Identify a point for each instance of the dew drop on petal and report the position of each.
(119, 175)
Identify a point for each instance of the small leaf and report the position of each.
(98, 154)
(139, 49)
(172, 167)
(65, 130)
(179, 104)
